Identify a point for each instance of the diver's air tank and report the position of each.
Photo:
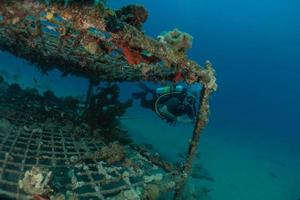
(168, 89)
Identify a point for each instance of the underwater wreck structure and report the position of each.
(97, 43)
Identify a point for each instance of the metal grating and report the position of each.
(52, 145)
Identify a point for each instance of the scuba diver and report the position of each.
(172, 103)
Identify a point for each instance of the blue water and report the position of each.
(254, 124)
(254, 47)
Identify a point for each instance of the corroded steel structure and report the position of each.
(76, 164)
(82, 40)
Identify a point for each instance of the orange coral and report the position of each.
(133, 57)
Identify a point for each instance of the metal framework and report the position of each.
(53, 145)
(76, 40)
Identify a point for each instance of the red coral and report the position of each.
(134, 15)
(133, 57)
(177, 76)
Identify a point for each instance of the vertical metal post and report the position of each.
(202, 119)
(89, 94)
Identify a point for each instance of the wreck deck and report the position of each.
(26, 142)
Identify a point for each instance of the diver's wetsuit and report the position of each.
(176, 108)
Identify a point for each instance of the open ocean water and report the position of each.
(250, 148)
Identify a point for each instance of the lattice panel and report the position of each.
(53, 146)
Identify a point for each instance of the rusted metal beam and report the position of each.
(202, 119)
(76, 40)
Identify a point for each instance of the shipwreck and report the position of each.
(90, 40)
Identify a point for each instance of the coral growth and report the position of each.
(152, 192)
(104, 112)
(134, 15)
(36, 181)
(135, 57)
(67, 2)
(131, 194)
(43, 107)
(179, 40)
(71, 103)
(112, 153)
(92, 47)
(68, 196)
(156, 177)
(113, 24)
(14, 89)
